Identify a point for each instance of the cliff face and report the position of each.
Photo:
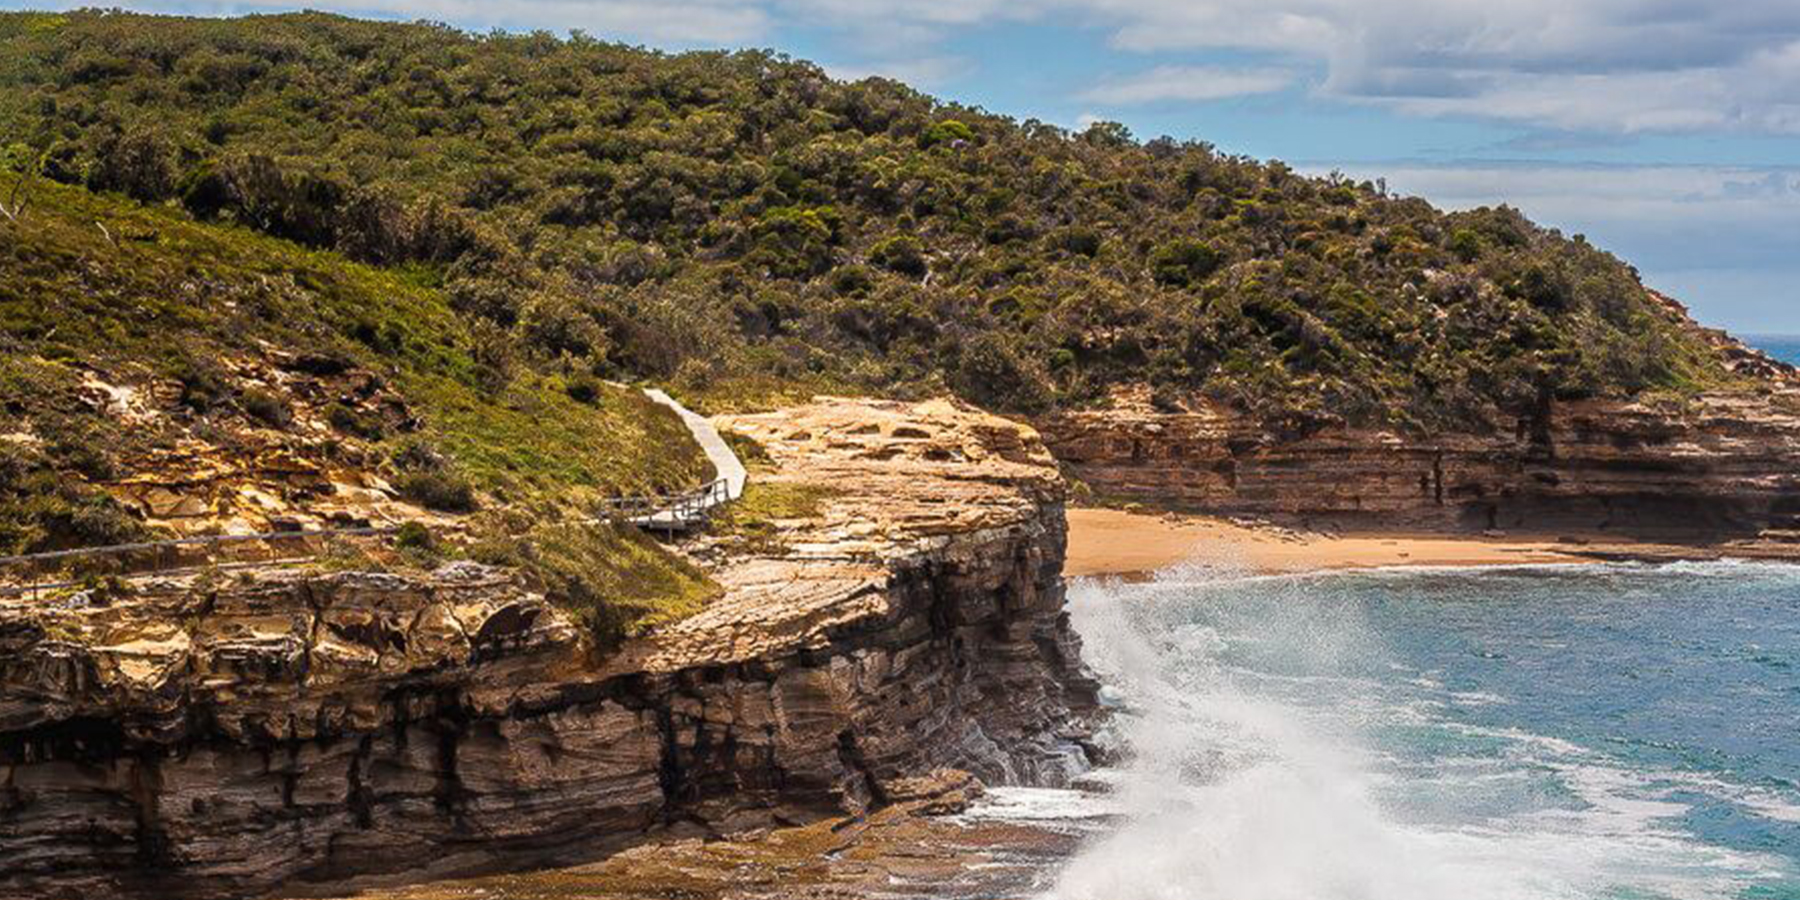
(306, 730)
(1722, 466)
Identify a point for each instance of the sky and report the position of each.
(1667, 131)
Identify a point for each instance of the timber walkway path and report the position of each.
(684, 511)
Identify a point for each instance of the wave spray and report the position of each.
(1277, 750)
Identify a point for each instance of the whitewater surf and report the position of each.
(1605, 732)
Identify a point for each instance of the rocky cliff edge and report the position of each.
(307, 731)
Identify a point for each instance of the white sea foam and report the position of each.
(1238, 789)
(1026, 804)
(1766, 803)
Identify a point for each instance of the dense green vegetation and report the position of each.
(102, 287)
(106, 288)
(715, 219)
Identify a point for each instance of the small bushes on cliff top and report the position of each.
(749, 450)
(618, 582)
(42, 508)
(725, 218)
(52, 458)
(751, 523)
(438, 490)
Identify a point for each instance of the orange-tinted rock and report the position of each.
(1719, 466)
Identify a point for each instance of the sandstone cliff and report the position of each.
(304, 730)
(1717, 467)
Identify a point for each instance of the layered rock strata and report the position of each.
(1720, 466)
(924, 847)
(305, 731)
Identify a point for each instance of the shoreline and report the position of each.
(1131, 544)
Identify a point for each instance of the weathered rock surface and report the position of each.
(307, 731)
(916, 847)
(1721, 466)
(241, 475)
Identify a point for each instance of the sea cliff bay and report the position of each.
(1298, 735)
(893, 702)
(441, 464)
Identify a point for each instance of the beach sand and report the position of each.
(1118, 542)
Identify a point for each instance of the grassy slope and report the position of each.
(99, 286)
(164, 297)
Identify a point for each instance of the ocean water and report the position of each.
(1615, 732)
(1783, 347)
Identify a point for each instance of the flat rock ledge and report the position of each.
(1716, 468)
(301, 732)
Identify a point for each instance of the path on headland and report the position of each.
(691, 509)
(730, 468)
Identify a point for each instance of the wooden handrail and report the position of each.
(670, 512)
(115, 549)
(691, 505)
(647, 510)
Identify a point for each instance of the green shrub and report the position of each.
(1184, 262)
(948, 131)
(795, 242)
(1466, 244)
(583, 389)
(202, 386)
(266, 408)
(345, 420)
(852, 281)
(902, 254)
(1009, 228)
(1077, 240)
(438, 490)
(992, 372)
(415, 536)
(749, 451)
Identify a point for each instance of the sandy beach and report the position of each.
(1118, 542)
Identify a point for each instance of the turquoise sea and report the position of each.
(1615, 732)
(1783, 347)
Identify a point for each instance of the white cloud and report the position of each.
(888, 14)
(1188, 83)
(1613, 65)
(1619, 66)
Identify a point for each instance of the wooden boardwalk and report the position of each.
(686, 511)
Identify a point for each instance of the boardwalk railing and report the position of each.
(157, 556)
(669, 513)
